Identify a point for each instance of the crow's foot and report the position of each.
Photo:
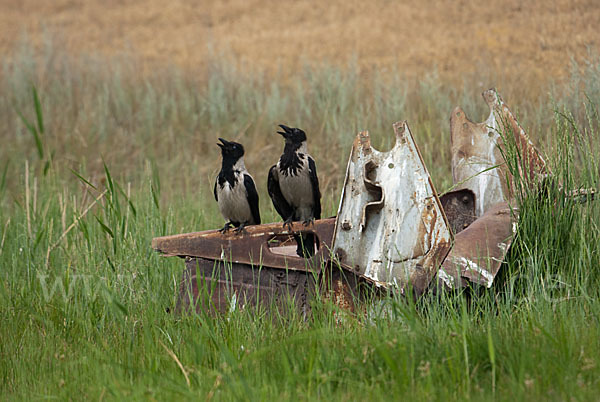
(225, 228)
(310, 221)
(288, 223)
(240, 229)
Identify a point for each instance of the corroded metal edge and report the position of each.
(478, 153)
(370, 195)
(480, 249)
(219, 287)
(478, 165)
(249, 247)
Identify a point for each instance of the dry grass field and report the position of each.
(527, 42)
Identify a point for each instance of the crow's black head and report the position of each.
(231, 150)
(292, 135)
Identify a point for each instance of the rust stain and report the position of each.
(252, 247)
(479, 250)
(218, 287)
(391, 226)
(477, 154)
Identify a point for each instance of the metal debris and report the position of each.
(257, 267)
(390, 226)
(477, 160)
(479, 250)
(478, 166)
(267, 245)
(217, 286)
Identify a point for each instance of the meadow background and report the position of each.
(109, 112)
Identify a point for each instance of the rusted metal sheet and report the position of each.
(223, 272)
(390, 225)
(477, 160)
(478, 165)
(267, 245)
(215, 286)
(479, 249)
(345, 289)
(459, 207)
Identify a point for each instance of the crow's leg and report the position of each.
(288, 223)
(226, 228)
(241, 228)
(309, 221)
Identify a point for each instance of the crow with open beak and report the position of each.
(294, 187)
(234, 190)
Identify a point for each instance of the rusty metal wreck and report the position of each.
(392, 230)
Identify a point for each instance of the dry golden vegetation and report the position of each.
(523, 42)
(237, 68)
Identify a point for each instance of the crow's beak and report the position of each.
(286, 130)
(224, 143)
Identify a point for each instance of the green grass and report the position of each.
(144, 148)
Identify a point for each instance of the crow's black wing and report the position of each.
(215, 190)
(314, 181)
(281, 205)
(252, 197)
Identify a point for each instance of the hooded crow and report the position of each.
(294, 187)
(234, 189)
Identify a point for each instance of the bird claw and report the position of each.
(240, 229)
(225, 228)
(308, 222)
(288, 223)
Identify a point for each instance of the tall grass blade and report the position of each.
(105, 228)
(80, 177)
(38, 110)
(3, 178)
(109, 180)
(36, 137)
(492, 356)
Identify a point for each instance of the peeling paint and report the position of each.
(471, 266)
(390, 223)
(447, 279)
